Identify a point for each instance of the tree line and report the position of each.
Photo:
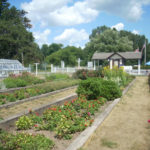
(17, 42)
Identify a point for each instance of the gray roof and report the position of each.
(125, 55)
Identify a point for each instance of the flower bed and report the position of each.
(64, 120)
(24, 141)
(37, 90)
(21, 80)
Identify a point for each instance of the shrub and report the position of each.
(24, 141)
(110, 90)
(83, 74)
(24, 123)
(92, 88)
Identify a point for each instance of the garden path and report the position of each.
(127, 127)
(23, 107)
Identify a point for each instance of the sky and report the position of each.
(70, 22)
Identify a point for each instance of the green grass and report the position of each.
(109, 144)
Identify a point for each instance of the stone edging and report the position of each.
(83, 137)
(10, 121)
(34, 97)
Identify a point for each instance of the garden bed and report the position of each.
(60, 143)
(35, 91)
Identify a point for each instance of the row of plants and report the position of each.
(64, 120)
(57, 76)
(24, 141)
(115, 74)
(21, 80)
(26, 79)
(37, 90)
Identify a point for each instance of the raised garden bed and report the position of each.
(61, 122)
(35, 91)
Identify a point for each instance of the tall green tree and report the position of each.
(15, 39)
(69, 55)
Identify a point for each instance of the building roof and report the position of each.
(125, 55)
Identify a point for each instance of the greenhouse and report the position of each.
(10, 66)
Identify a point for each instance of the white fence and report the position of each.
(135, 72)
(68, 69)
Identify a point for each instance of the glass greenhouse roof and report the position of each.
(10, 65)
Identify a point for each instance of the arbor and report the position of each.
(15, 39)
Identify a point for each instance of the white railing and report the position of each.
(135, 72)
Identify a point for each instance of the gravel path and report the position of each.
(21, 108)
(126, 128)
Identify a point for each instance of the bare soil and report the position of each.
(21, 108)
(127, 127)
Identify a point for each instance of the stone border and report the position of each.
(87, 133)
(35, 97)
(7, 123)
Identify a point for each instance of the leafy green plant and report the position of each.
(89, 88)
(92, 88)
(57, 76)
(24, 123)
(21, 80)
(24, 141)
(110, 90)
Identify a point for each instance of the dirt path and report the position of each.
(17, 109)
(126, 128)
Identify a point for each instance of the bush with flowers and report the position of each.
(24, 141)
(37, 90)
(71, 117)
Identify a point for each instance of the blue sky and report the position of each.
(70, 22)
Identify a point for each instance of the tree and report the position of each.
(15, 38)
(69, 55)
(49, 49)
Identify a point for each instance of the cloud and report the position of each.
(135, 32)
(59, 12)
(119, 26)
(42, 37)
(128, 9)
(73, 37)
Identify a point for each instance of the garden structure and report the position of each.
(10, 66)
(117, 58)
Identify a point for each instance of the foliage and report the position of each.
(110, 90)
(69, 118)
(36, 90)
(24, 123)
(49, 49)
(104, 39)
(15, 37)
(56, 76)
(69, 55)
(21, 80)
(95, 87)
(118, 75)
(24, 141)
(83, 74)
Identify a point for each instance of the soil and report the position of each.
(23, 107)
(60, 144)
(127, 127)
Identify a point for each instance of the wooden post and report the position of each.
(139, 66)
